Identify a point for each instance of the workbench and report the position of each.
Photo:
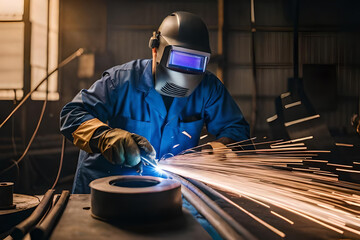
(77, 223)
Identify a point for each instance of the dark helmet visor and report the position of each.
(187, 60)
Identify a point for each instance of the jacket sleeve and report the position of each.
(96, 102)
(223, 117)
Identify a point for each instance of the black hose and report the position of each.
(43, 230)
(223, 223)
(25, 226)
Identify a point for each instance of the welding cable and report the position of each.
(13, 136)
(76, 54)
(30, 141)
(43, 229)
(34, 133)
(20, 230)
(226, 226)
(63, 144)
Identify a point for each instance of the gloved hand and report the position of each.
(124, 148)
(117, 146)
(147, 152)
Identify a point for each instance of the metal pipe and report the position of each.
(25, 226)
(253, 61)
(43, 230)
(223, 223)
(220, 41)
(296, 40)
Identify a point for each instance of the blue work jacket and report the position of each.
(125, 98)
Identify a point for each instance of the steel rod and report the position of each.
(224, 224)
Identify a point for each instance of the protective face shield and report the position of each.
(180, 71)
(183, 52)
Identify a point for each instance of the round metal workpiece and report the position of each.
(10, 217)
(135, 199)
(6, 195)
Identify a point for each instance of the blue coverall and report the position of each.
(125, 98)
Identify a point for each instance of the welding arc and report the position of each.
(224, 224)
(43, 230)
(25, 226)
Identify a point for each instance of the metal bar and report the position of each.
(224, 224)
(220, 41)
(25, 226)
(253, 62)
(296, 39)
(216, 194)
(43, 230)
(11, 21)
(27, 68)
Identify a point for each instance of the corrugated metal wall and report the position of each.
(131, 23)
(274, 58)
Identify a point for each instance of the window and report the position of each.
(43, 48)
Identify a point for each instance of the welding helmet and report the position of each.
(183, 51)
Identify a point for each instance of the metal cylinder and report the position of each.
(135, 199)
(6, 195)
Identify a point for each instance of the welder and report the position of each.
(151, 108)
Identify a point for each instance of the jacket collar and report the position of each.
(146, 81)
(154, 99)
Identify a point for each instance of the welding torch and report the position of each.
(148, 162)
(145, 161)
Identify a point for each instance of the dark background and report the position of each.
(117, 31)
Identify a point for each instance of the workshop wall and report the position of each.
(327, 35)
(118, 31)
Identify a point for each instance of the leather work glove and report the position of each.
(124, 148)
(117, 146)
(147, 152)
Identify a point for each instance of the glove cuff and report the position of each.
(84, 133)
